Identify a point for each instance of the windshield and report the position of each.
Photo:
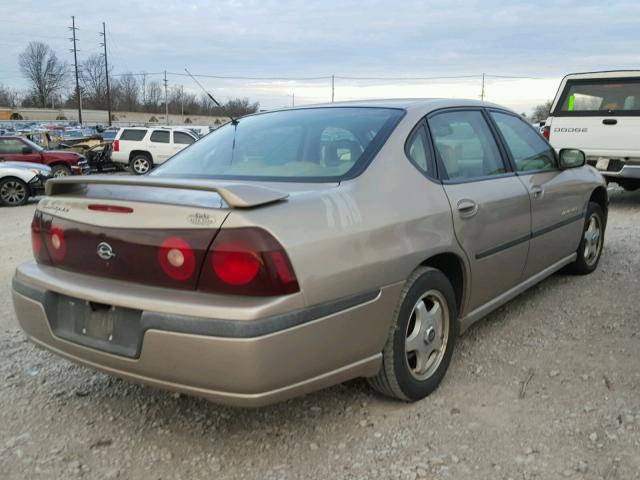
(314, 144)
(33, 145)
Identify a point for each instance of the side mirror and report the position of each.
(26, 150)
(571, 158)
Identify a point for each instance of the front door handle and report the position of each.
(537, 191)
(610, 121)
(467, 208)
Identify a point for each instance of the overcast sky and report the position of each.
(286, 38)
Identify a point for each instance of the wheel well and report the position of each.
(140, 152)
(453, 268)
(59, 163)
(599, 195)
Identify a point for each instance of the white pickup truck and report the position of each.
(599, 113)
(141, 148)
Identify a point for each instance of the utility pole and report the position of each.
(333, 87)
(166, 105)
(293, 99)
(482, 93)
(75, 61)
(106, 71)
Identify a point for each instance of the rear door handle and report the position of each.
(610, 121)
(537, 191)
(467, 208)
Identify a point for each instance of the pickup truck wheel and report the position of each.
(422, 338)
(141, 164)
(13, 192)
(590, 248)
(60, 171)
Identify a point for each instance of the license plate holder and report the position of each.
(112, 329)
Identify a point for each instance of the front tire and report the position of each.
(13, 192)
(60, 171)
(422, 338)
(591, 243)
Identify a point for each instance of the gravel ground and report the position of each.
(546, 387)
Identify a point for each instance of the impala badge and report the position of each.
(105, 252)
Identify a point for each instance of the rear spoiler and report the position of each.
(236, 195)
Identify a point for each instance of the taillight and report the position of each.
(177, 259)
(546, 132)
(56, 243)
(116, 145)
(247, 261)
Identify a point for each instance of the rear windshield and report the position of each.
(601, 96)
(314, 144)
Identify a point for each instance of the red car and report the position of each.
(20, 149)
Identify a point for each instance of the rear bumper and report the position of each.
(245, 363)
(618, 168)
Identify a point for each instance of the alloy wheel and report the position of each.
(427, 335)
(592, 240)
(13, 192)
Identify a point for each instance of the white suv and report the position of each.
(142, 148)
(599, 113)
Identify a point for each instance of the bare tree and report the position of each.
(47, 75)
(154, 96)
(238, 107)
(541, 112)
(128, 93)
(94, 82)
(9, 97)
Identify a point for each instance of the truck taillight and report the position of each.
(546, 132)
(116, 145)
(247, 261)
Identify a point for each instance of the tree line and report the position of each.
(51, 84)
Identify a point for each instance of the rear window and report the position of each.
(314, 144)
(182, 138)
(600, 97)
(132, 135)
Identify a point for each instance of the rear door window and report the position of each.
(528, 150)
(160, 136)
(418, 150)
(600, 97)
(465, 145)
(134, 135)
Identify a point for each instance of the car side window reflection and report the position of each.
(528, 150)
(466, 145)
(418, 150)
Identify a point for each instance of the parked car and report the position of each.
(62, 163)
(295, 249)
(21, 180)
(599, 112)
(143, 148)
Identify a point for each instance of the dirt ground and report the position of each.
(547, 387)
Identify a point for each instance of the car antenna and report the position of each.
(234, 121)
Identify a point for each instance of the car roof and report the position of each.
(408, 104)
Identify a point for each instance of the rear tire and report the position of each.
(422, 338)
(13, 192)
(141, 164)
(60, 171)
(591, 243)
